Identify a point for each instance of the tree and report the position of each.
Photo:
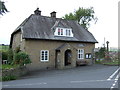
(83, 16)
(100, 54)
(3, 8)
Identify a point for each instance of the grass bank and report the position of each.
(111, 62)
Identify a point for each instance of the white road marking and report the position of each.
(114, 84)
(44, 83)
(111, 88)
(113, 74)
(117, 76)
(25, 84)
(117, 73)
(89, 81)
(116, 79)
(6, 85)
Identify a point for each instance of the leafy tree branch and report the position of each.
(3, 8)
(83, 16)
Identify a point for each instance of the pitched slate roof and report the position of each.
(43, 27)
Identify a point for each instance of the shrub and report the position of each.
(10, 56)
(4, 55)
(21, 58)
(10, 77)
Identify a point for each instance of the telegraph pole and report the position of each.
(104, 42)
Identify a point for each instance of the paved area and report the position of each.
(95, 76)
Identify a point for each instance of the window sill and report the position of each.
(44, 61)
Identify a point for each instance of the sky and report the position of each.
(105, 10)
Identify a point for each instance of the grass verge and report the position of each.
(112, 63)
(6, 66)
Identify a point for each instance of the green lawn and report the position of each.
(4, 47)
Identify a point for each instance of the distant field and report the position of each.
(4, 47)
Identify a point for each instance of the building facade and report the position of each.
(53, 42)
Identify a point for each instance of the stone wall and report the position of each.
(15, 72)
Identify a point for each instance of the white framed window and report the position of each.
(80, 53)
(44, 55)
(63, 32)
(88, 56)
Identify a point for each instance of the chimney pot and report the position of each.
(37, 11)
(53, 14)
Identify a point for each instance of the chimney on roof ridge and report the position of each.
(53, 14)
(37, 11)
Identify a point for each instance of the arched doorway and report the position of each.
(68, 56)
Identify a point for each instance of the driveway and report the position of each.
(95, 76)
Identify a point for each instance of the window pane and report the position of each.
(69, 32)
(81, 51)
(66, 32)
(58, 31)
(86, 55)
(46, 52)
(46, 58)
(89, 55)
(61, 31)
(42, 57)
(79, 56)
(42, 52)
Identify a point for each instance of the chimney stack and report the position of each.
(53, 14)
(37, 11)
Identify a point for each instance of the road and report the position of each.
(95, 76)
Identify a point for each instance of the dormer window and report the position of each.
(63, 32)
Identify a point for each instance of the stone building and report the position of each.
(53, 42)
